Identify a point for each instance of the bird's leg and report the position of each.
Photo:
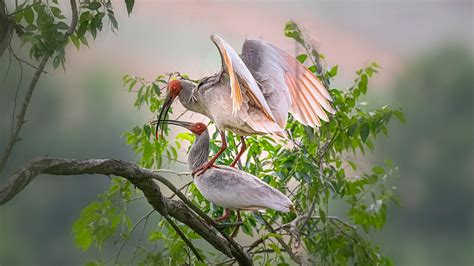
(236, 230)
(242, 150)
(224, 216)
(210, 163)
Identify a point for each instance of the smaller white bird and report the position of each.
(226, 186)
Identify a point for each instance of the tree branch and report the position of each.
(140, 177)
(26, 101)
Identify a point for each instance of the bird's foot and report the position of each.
(233, 163)
(203, 168)
(224, 216)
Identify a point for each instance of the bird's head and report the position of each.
(175, 88)
(196, 128)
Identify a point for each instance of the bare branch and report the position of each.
(140, 177)
(172, 172)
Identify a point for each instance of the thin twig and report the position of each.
(325, 149)
(179, 116)
(140, 238)
(263, 251)
(284, 245)
(181, 188)
(127, 201)
(299, 218)
(16, 97)
(131, 231)
(23, 61)
(257, 242)
(184, 238)
(171, 172)
(174, 160)
(8, 67)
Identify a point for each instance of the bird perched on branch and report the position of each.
(226, 186)
(252, 93)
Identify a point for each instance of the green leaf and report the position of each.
(112, 19)
(94, 5)
(302, 57)
(129, 4)
(29, 15)
(62, 26)
(83, 236)
(275, 248)
(333, 71)
(399, 114)
(352, 130)
(18, 17)
(364, 131)
(363, 83)
(353, 165)
(378, 170)
(56, 61)
(57, 12)
(322, 214)
(293, 31)
(84, 41)
(82, 29)
(132, 84)
(75, 41)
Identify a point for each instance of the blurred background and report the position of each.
(424, 47)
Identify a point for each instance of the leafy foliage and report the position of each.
(338, 199)
(100, 220)
(42, 25)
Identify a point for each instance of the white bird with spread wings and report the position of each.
(253, 93)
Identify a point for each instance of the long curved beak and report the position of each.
(163, 112)
(186, 125)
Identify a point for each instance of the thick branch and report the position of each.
(142, 178)
(26, 101)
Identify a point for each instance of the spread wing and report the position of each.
(279, 74)
(241, 80)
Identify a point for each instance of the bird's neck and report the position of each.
(191, 104)
(199, 153)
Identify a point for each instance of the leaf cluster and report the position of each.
(43, 27)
